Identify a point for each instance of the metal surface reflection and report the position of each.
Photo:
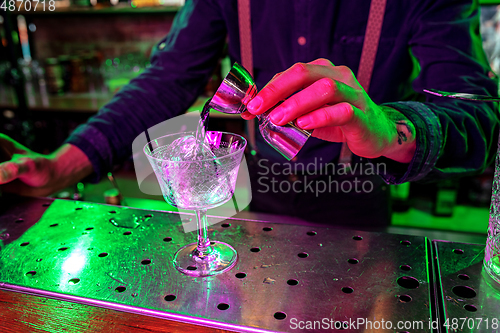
(470, 298)
(284, 271)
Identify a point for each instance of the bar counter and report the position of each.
(79, 266)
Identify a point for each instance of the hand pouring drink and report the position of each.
(238, 87)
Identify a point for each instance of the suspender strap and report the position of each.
(370, 44)
(245, 35)
(368, 54)
(247, 56)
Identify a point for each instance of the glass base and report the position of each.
(493, 268)
(222, 258)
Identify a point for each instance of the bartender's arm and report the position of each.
(331, 102)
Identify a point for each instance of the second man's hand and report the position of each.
(31, 174)
(329, 100)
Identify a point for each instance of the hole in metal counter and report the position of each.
(63, 249)
(74, 281)
(406, 268)
(280, 315)
(241, 275)
(458, 251)
(464, 291)
(54, 225)
(303, 255)
(167, 239)
(225, 225)
(170, 298)
(223, 306)
(347, 290)
(405, 298)
(146, 261)
(267, 229)
(191, 268)
(255, 249)
(357, 237)
(405, 243)
(31, 273)
(463, 277)
(292, 282)
(19, 220)
(25, 244)
(126, 233)
(353, 261)
(102, 255)
(408, 282)
(470, 308)
(312, 233)
(120, 289)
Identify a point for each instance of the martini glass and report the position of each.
(199, 184)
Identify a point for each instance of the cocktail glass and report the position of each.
(198, 185)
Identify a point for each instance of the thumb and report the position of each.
(13, 169)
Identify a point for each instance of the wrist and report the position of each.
(68, 165)
(403, 145)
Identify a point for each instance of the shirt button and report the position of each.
(161, 46)
(302, 40)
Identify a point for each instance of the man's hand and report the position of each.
(28, 173)
(329, 100)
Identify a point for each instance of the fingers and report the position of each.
(247, 115)
(332, 134)
(296, 78)
(341, 114)
(316, 96)
(12, 170)
(322, 62)
(293, 79)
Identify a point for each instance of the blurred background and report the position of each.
(57, 68)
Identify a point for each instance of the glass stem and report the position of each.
(203, 246)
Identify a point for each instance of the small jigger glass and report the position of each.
(237, 89)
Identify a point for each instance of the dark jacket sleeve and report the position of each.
(181, 64)
(454, 137)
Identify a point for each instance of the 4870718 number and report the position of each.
(28, 5)
(455, 324)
